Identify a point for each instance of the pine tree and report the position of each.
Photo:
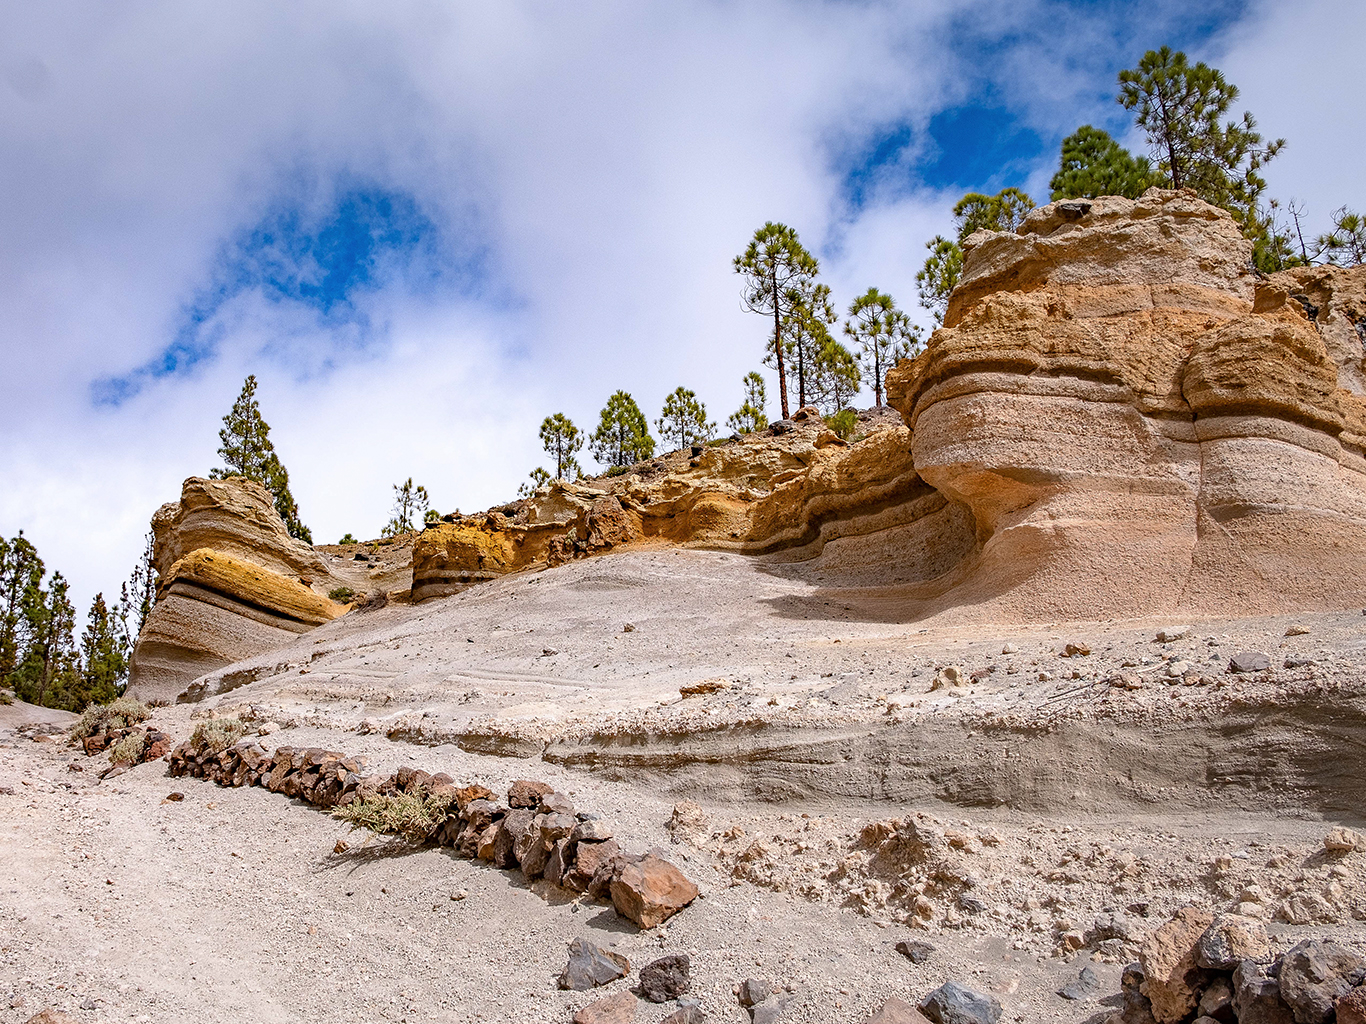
(21, 573)
(411, 506)
(683, 421)
(561, 440)
(837, 377)
(937, 279)
(883, 333)
(806, 329)
(104, 657)
(538, 477)
(50, 667)
(1345, 245)
(141, 589)
(750, 416)
(773, 266)
(623, 434)
(1179, 106)
(1093, 165)
(247, 451)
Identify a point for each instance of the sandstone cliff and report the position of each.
(795, 491)
(231, 583)
(1140, 426)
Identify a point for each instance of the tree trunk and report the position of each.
(778, 346)
(877, 376)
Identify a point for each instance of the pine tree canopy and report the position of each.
(683, 421)
(883, 333)
(750, 416)
(1093, 164)
(247, 451)
(772, 266)
(623, 434)
(562, 440)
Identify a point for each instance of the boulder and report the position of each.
(1341, 840)
(1257, 997)
(955, 1003)
(589, 860)
(1173, 980)
(527, 793)
(590, 967)
(917, 952)
(650, 891)
(1229, 940)
(666, 978)
(614, 1009)
(510, 829)
(1351, 1008)
(1315, 974)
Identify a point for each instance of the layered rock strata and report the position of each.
(231, 583)
(1138, 424)
(794, 491)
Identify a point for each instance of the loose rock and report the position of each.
(1351, 1008)
(527, 793)
(1249, 661)
(897, 1011)
(1083, 986)
(614, 1009)
(651, 891)
(1168, 959)
(1230, 940)
(914, 951)
(666, 978)
(1257, 997)
(1344, 840)
(589, 967)
(954, 1003)
(1315, 974)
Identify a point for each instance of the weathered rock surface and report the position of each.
(651, 891)
(1315, 974)
(795, 494)
(1172, 978)
(1115, 397)
(614, 1009)
(954, 1003)
(1230, 940)
(589, 967)
(666, 978)
(231, 583)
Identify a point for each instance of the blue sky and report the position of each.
(424, 227)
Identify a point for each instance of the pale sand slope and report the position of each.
(1067, 798)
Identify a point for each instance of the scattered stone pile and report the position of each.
(538, 831)
(155, 743)
(1219, 970)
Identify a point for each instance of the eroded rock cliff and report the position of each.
(1137, 424)
(231, 583)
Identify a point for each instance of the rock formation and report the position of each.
(1138, 425)
(231, 583)
(795, 491)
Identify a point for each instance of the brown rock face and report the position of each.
(651, 891)
(231, 583)
(1173, 979)
(1136, 426)
(802, 493)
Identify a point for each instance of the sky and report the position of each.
(425, 226)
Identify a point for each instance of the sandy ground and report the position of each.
(1110, 787)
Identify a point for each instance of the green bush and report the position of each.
(414, 816)
(128, 750)
(843, 423)
(6, 697)
(341, 594)
(123, 713)
(348, 539)
(618, 471)
(217, 734)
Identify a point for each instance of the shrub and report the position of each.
(128, 750)
(618, 471)
(348, 539)
(217, 734)
(6, 697)
(843, 423)
(123, 713)
(414, 816)
(341, 594)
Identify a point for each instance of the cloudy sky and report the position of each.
(425, 226)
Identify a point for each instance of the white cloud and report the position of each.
(608, 159)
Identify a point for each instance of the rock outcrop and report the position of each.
(794, 491)
(1139, 425)
(231, 583)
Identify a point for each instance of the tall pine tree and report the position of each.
(247, 451)
(623, 434)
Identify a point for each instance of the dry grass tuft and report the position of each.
(216, 735)
(128, 751)
(414, 816)
(123, 713)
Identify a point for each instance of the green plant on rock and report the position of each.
(248, 451)
(341, 594)
(217, 734)
(123, 713)
(414, 816)
(843, 423)
(128, 751)
(348, 539)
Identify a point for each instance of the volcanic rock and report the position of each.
(651, 891)
(954, 1003)
(1315, 974)
(589, 967)
(1172, 976)
(666, 978)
